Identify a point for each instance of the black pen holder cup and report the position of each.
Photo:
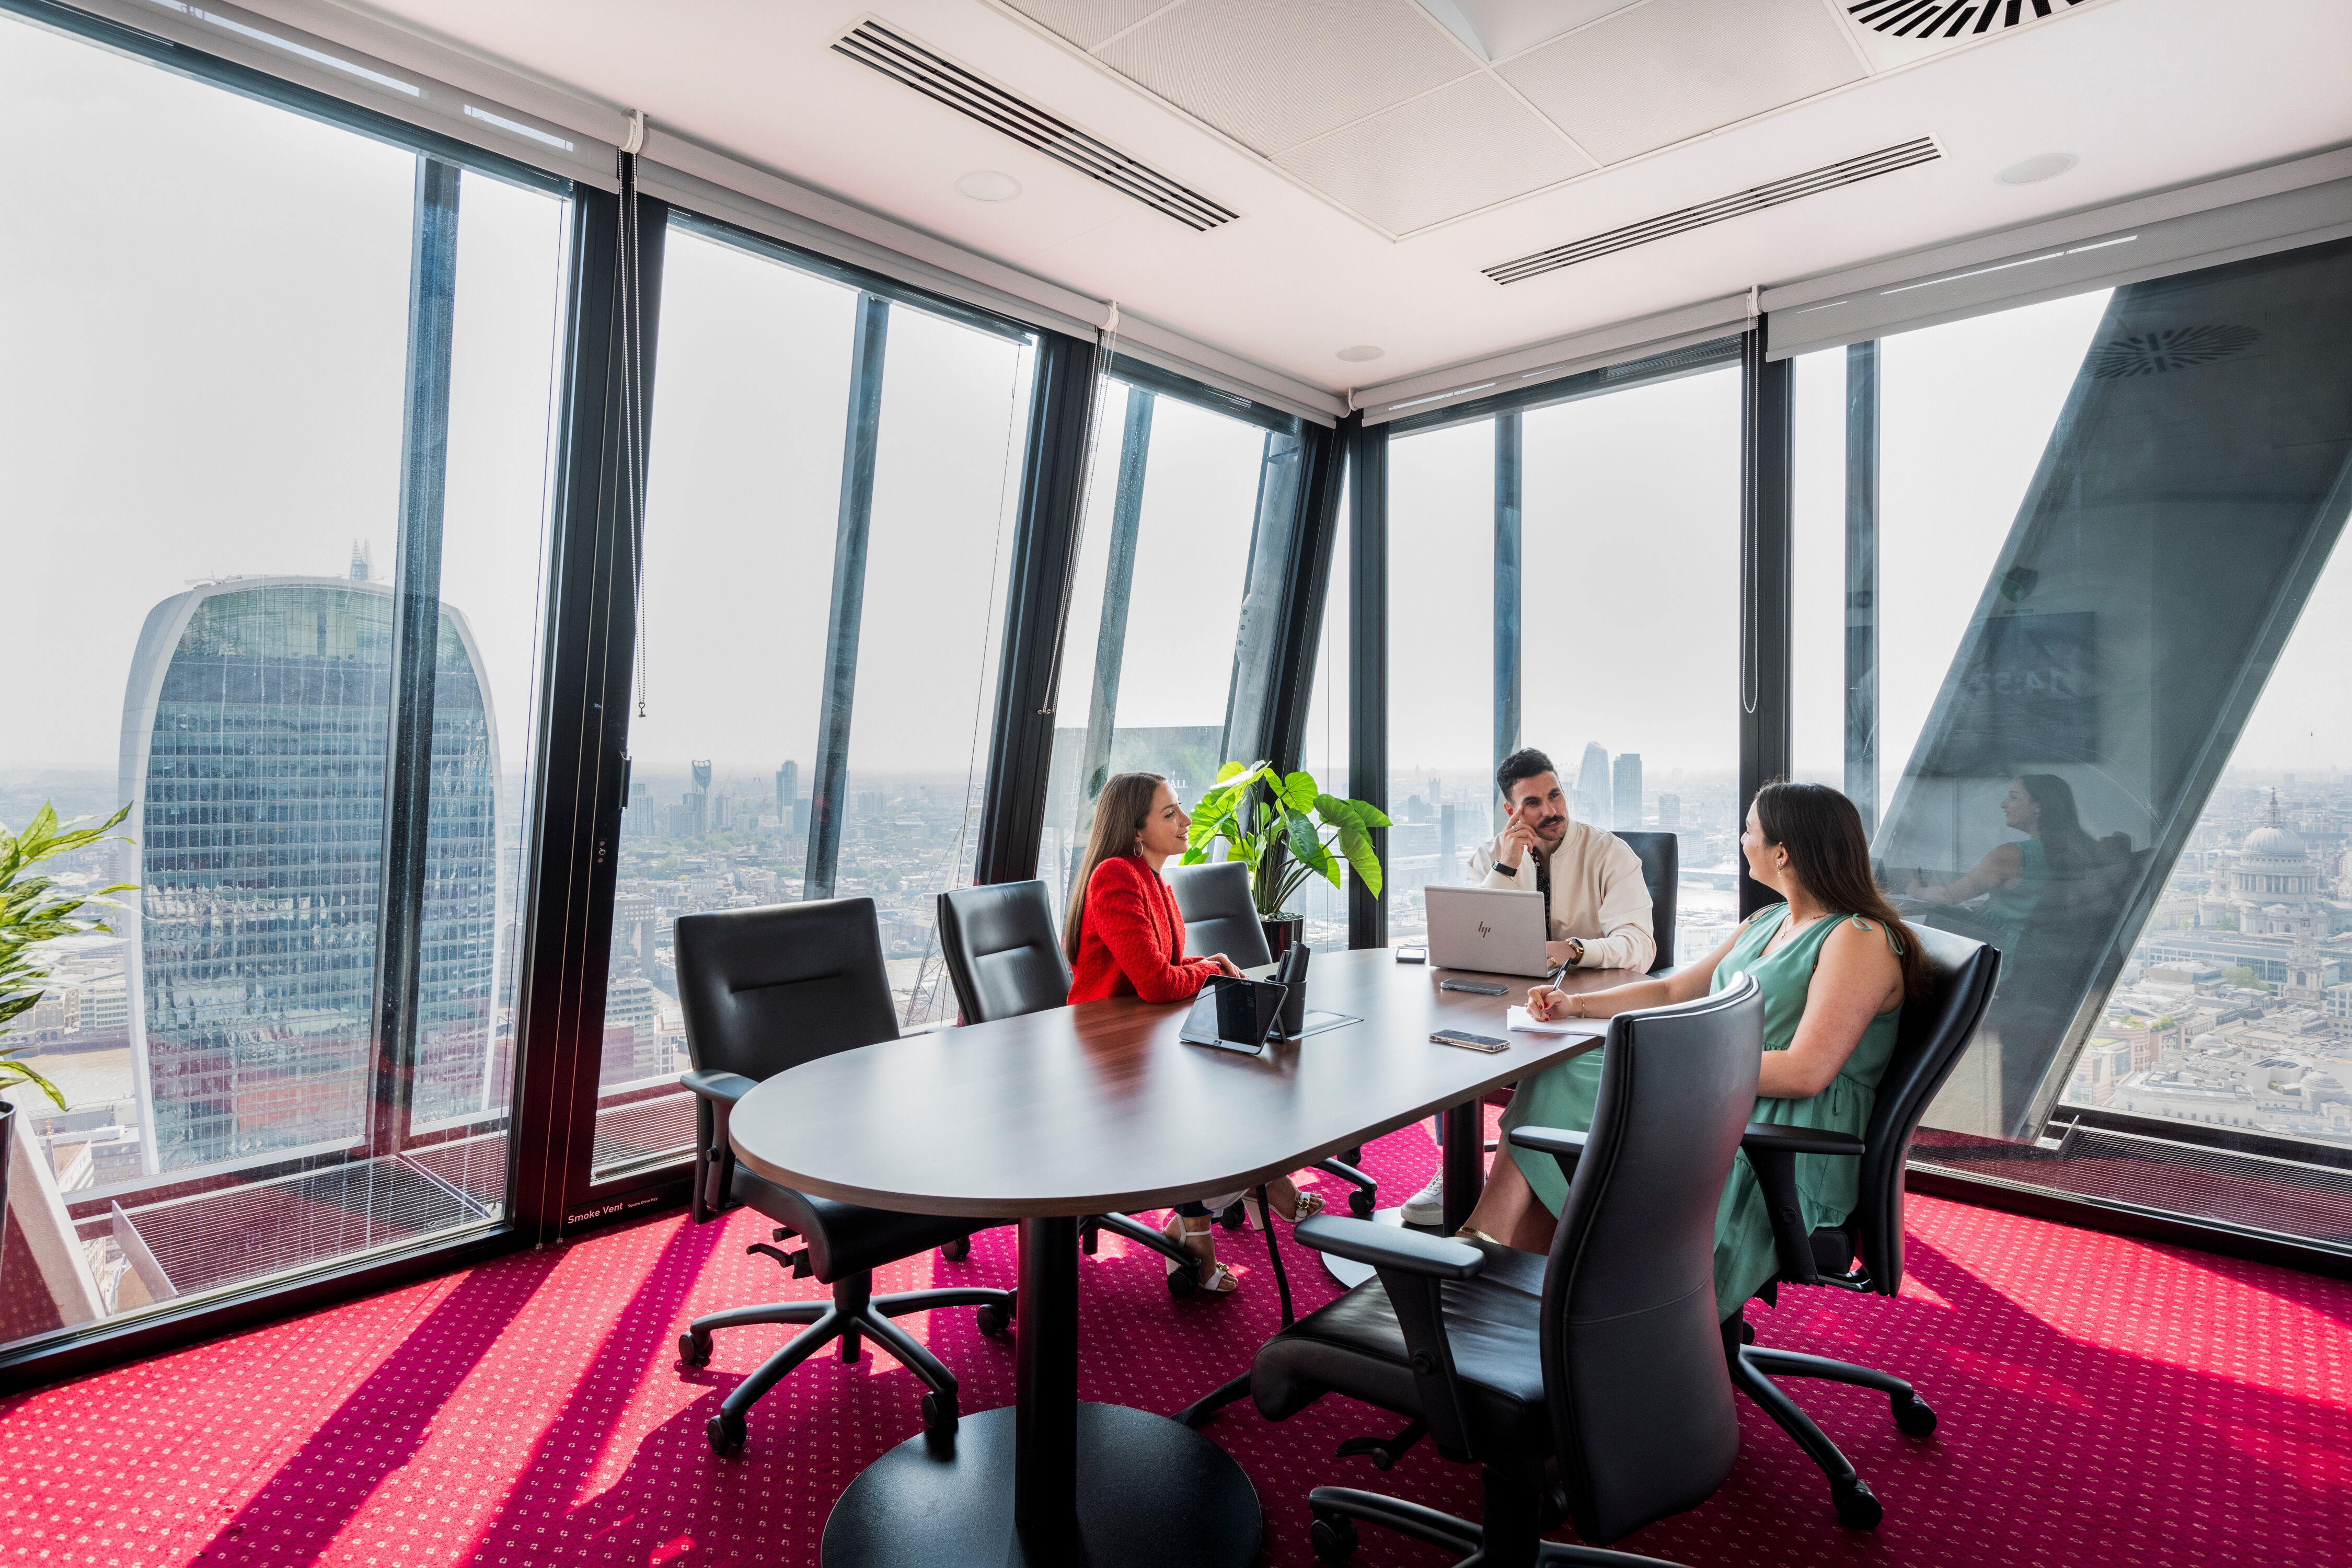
(1294, 1010)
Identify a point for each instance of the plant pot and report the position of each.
(1281, 931)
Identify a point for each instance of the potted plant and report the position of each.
(34, 909)
(1285, 829)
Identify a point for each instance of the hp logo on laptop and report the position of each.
(1484, 929)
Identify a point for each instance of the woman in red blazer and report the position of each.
(1125, 937)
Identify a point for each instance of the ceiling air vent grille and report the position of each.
(937, 77)
(1869, 166)
(1949, 19)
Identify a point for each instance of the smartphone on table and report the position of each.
(1470, 1042)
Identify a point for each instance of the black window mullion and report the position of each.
(868, 348)
(1767, 437)
(1044, 550)
(1367, 660)
(416, 638)
(610, 335)
(1306, 590)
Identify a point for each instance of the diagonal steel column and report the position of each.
(1862, 581)
(1119, 580)
(416, 638)
(829, 782)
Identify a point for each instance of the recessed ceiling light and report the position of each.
(1361, 352)
(988, 185)
(2042, 166)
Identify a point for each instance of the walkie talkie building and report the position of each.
(254, 738)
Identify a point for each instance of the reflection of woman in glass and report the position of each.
(2041, 806)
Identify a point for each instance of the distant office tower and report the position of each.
(1592, 783)
(253, 733)
(1628, 802)
(1445, 843)
(639, 822)
(788, 791)
(697, 799)
(1670, 813)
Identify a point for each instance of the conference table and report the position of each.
(1098, 1109)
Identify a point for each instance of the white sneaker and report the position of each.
(1427, 1206)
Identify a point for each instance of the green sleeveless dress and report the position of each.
(1828, 1186)
(2010, 908)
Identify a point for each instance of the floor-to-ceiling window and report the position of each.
(1190, 507)
(1530, 546)
(1632, 504)
(277, 413)
(828, 526)
(1440, 532)
(1324, 749)
(2108, 629)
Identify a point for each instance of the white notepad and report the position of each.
(1522, 1020)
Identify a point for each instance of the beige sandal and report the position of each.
(1210, 1275)
(1303, 1205)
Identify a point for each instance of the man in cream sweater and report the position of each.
(1596, 906)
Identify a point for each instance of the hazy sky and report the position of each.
(207, 350)
(207, 343)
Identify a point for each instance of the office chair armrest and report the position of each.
(1564, 1145)
(725, 1088)
(1390, 1246)
(1772, 1154)
(1768, 1136)
(1412, 1270)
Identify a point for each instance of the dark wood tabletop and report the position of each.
(1100, 1108)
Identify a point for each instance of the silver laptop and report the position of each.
(1497, 931)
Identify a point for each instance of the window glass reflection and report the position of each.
(230, 504)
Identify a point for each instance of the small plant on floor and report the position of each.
(1285, 830)
(34, 909)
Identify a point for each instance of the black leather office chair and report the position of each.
(1598, 1371)
(764, 990)
(1005, 959)
(1932, 1036)
(1220, 916)
(1661, 861)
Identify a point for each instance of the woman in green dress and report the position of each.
(1835, 964)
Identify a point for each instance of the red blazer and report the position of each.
(1131, 939)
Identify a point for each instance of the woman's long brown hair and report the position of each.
(1823, 833)
(1120, 813)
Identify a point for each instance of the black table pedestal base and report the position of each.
(1150, 1492)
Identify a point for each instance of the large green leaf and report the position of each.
(1298, 791)
(1355, 820)
(1306, 847)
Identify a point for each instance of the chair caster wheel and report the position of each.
(940, 1416)
(1333, 1538)
(1234, 1218)
(1361, 1202)
(693, 1349)
(1912, 1415)
(1857, 1508)
(956, 1251)
(996, 1321)
(726, 1434)
(1181, 1283)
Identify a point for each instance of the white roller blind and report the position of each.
(2278, 208)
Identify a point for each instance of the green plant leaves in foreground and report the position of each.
(1284, 824)
(33, 910)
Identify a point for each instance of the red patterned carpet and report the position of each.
(2103, 1401)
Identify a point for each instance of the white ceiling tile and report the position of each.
(1498, 30)
(1086, 23)
(1272, 73)
(1454, 151)
(1657, 73)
